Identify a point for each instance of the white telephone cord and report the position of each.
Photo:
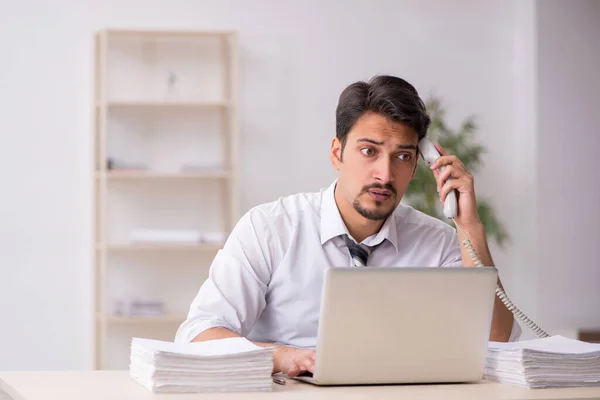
(501, 293)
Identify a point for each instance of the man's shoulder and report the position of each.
(407, 215)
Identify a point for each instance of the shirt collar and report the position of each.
(333, 226)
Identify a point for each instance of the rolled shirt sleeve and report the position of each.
(233, 296)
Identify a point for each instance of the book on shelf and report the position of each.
(176, 236)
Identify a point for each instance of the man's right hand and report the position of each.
(293, 362)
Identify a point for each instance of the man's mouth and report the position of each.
(380, 194)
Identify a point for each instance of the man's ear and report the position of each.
(335, 153)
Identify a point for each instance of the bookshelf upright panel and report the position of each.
(165, 178)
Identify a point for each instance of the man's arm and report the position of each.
(233, 297)
(502, 319)
(285, 359)
(469, 223)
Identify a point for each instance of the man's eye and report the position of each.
(367, 151)
(404, 157)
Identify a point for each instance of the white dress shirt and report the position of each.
(265, 283)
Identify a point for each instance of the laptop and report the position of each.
(381, 325)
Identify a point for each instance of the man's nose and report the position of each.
(383, 170)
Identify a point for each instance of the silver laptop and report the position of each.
(403, 325)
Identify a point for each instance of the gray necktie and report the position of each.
(360, 252)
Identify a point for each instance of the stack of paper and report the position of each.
(224, 365)
(540, 363)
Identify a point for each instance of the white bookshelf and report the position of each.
(165, 151)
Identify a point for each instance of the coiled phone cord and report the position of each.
(501, 293)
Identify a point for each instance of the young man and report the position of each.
(265, 283)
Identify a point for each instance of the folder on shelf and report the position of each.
(166, 236)
(555, 361)
(171, 236)
(223, 365)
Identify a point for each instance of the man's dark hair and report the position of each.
(389, 96)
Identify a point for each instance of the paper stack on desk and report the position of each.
(555, 361)
(224, 365)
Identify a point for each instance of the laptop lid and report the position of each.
(404, 325)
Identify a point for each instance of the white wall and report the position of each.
(520, 159)
(568, 142)
(293, 66)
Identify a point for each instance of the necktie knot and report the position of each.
(359, 252)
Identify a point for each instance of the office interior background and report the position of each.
(527, 69)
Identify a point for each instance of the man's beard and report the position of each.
(374, 215)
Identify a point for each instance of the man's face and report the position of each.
(377, 163)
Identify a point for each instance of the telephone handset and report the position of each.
(430, 154)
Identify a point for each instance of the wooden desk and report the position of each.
(116, 385)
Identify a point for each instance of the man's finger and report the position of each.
(441, 161)
(448, 172)
(440, 150)
(448, 186)
(309, 364)
(451, 184)
(293, 371)
(446, 161)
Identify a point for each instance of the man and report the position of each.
(265, 283)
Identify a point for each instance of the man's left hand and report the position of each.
(462, 182)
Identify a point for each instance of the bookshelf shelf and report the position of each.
(165, 151)
(135, 247)
(142, 175)
(135, 320)
(167, 34)
(152, 105)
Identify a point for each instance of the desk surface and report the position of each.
(117, 385)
